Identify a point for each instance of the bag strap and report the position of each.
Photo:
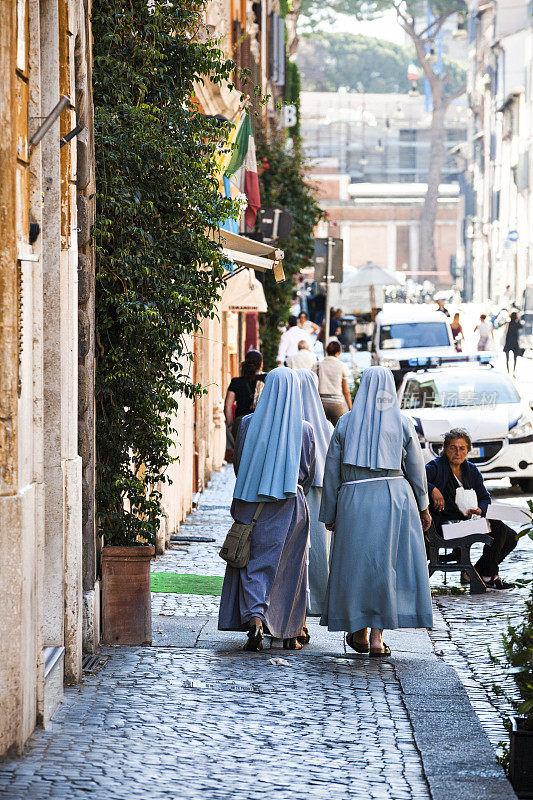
(257, 512)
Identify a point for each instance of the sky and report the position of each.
(386, 27)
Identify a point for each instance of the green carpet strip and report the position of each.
(187, 584)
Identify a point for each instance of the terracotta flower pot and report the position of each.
(126, 596)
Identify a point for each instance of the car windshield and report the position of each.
(413, 334)
(486, 389)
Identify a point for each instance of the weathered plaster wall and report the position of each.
(40, 470)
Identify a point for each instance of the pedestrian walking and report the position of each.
(484, 330)
(451, 472)
(242, 391)
(333, 384)
(304, 358)
(457, 332)
(374, 498)
(274, 462)
(290, 339)
(511, 340)
(306, 325)
(442, 307)
(319, 536)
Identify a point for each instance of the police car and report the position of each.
(403, 332)
(466, 393)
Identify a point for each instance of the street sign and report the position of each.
(512, 236)
(275, 224)
(321, 254)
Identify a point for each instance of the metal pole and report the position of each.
(328, 277)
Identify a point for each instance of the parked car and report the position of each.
(406, 332)
(485, 402)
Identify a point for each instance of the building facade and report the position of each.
(380, 222)
(377, 138)
(496, 241)
(44, 242)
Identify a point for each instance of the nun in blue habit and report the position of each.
(319, 536)
(274, 461)
(375, 499)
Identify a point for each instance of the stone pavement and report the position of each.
(194, 716)
(468, 630)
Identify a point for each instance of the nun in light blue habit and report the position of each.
(375, 499)
(274, 461)
(319, 536)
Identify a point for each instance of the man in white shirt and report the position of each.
(304, 358)
(288, 345)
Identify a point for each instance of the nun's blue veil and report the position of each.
(374, 435)
(314, 414)
(270, 460)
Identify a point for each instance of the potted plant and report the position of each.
(518, 648)
(158, 274)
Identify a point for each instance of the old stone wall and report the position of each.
(40, 469)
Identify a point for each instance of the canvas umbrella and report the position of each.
(372, 275)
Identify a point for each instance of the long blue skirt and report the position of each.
(378, 573)
(319, 551)
(273, 585)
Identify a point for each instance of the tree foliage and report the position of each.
(330, 60)
(157, 273)
(284, 185)
(370, 9)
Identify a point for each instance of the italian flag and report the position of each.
(242, 170)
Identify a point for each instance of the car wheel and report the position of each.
(526, 484)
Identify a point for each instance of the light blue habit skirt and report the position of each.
(378, 573)
(319, 550)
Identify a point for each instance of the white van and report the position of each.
(409, 335)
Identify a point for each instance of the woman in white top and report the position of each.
(333, 384)
(306, 324)
(484, 330)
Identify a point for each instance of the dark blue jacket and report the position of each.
(438, 472)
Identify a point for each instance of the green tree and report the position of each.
(157, 273)
(328, 61)
(411, 16)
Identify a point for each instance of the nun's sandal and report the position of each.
(255, 639)
(292, 644)
(359, 648)
(383, 653)
(304, 637)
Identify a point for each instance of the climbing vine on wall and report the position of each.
(157, 273)
(284, 184)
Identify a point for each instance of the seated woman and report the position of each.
(445, 475)
(275, 464)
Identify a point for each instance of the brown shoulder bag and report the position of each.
(236, 547)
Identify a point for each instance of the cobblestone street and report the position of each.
(193, 716)
(468, 629)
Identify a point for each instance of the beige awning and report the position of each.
(249, 253)
(243, 292)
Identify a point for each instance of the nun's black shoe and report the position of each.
(359, 648)
(292, 644)
(304, 637)
(255, 639)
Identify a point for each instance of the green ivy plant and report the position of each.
(157, 272)
(284, 184)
